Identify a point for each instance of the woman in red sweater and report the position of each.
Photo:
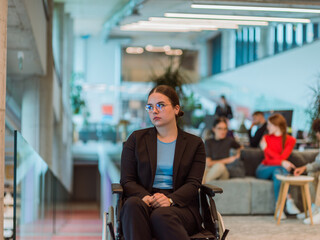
(277, 147)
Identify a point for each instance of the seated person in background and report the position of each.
(313, 169)
(259, 121)
(161, 172)
(277, 147)
(219, 163)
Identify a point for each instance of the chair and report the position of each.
(213, 227)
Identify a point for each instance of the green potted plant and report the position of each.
(175, 77)
(314, 110)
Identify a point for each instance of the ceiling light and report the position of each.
(174, 52)
(178, 24)
(151, 48)
(206, 22)
(233, 17)
(136, 27)
(254, 8)
(134, 50)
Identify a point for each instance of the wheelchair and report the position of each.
(212, 224)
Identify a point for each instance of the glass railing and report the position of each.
(40, 200)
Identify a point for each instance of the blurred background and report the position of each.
(78, 74)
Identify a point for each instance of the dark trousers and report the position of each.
(140, 222)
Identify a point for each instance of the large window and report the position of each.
(246, 45)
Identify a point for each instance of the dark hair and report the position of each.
(218, 120)
(316, 125)
(258, 113)
(170, 93)
(278, 120)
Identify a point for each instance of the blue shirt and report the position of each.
(165, 157)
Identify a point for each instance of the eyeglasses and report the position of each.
(222, 129)
(159, 106)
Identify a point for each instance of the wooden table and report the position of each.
(286, 181)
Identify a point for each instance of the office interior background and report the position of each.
(74, 79)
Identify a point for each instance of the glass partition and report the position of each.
(40, 200)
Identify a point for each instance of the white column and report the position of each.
(30, 130)
(117, 83)
(46, 100)
(266, 45)
(228, 51)
(203, 60)
(30, 112)
(3, 74)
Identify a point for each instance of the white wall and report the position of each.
(101, 63)
(280, 81)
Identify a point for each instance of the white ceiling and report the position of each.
(157, 8)
(90, 15)
(96, 16)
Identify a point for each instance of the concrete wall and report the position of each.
(38, 22)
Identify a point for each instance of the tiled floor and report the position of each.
(79, 222)
(266, 228)
(82, 224)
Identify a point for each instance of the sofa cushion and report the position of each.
(251, 157)
(262, 196)
(310, 155)
(236, 196)
(297, 159)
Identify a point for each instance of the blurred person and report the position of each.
(261, 123)
(223, 109)
(277, 146)
(219, 163)
(314, 170)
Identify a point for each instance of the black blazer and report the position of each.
(139, 163)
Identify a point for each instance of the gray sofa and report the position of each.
(250, 195)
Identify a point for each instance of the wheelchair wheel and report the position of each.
(221, 224)
(110, 224)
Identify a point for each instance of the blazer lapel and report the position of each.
(180, 146)
(151, 142)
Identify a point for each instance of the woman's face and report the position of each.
(272, 129)
(162, 112)
(220, 130)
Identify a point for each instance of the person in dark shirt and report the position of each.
(218, 149)
(223, 109)
(259, 121)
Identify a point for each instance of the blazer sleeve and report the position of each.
(189, 190)
(129, 175)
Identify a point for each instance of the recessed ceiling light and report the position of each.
(256, 8)
(134, 50)
(234, 17)
(174, 52)
(151, 48)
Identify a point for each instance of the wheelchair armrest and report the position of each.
(210, 190)
(117, 188)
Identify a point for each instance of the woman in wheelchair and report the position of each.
(161, 172)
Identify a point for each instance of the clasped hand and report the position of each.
(288, 165)
(156, 200)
